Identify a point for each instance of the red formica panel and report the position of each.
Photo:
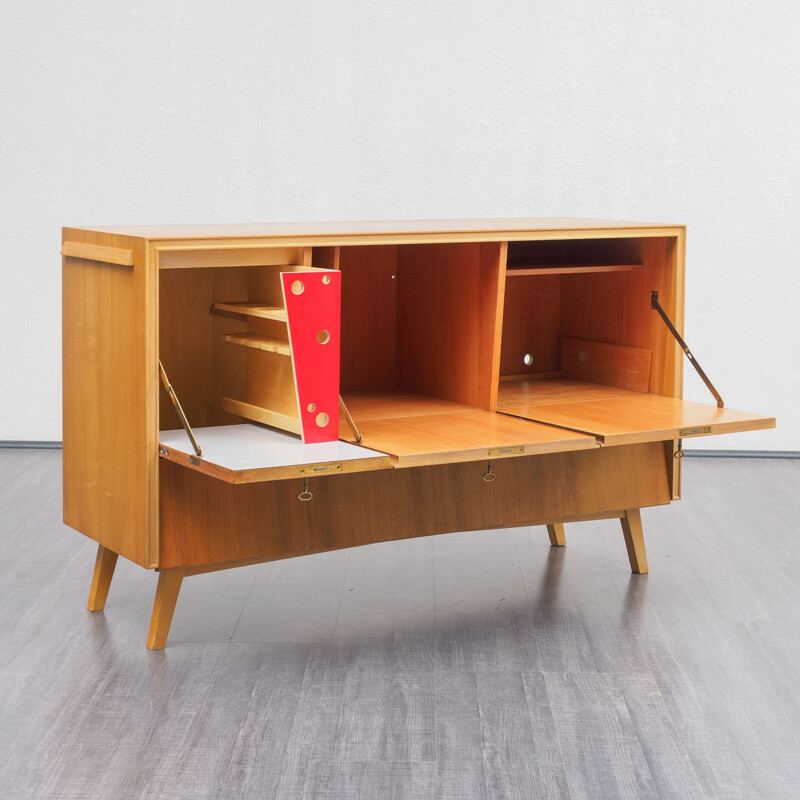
(313, 311)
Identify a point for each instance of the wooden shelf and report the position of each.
(262, 415)
(520, 269)
(253, 310)
(417, 430)
(258, 341)
(620, 416)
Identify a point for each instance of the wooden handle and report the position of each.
(96, 252)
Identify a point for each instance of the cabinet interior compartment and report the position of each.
(420, 319)
(420, 354)
(580, 310)
(583, 349)
(224, 344)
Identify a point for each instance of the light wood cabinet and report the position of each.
(349, 383)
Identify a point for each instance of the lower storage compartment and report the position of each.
(206, 521)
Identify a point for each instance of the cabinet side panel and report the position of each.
(668, 357)
(109, 401)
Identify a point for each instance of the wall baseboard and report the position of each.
(32, 445)
(11, 443)
(741, 453)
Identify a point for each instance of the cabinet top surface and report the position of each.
(345, 229)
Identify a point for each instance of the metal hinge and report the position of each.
(656, 306)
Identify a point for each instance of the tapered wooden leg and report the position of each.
(169, 586)
(101, 580)
(556, 534)
(634, 539)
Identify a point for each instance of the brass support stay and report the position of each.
(178, 409)
(656, 306)
(350, 420)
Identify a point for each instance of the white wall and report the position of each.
(676, 111)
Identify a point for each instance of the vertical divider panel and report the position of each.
(313, 309)
(492, 287)
(439, 325)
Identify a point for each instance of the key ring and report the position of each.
(305, 495)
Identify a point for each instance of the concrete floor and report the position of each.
(468, 665)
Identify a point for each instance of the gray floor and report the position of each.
(462, 666)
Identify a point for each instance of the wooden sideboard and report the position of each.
(244, 393)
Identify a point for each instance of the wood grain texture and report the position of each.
(204, 520)
(388, 405)
(185, 345)
(555, 531)
(229, 364)
(207, 234)
(525, 392)
(614, 307)
(95, 252)
(270, 383)
(251, 309)
(169, 587)
(110, 389)
(326, 257)
(667, 356)
(241, 256)
(101, 579)
(257, 413)
(258, 341)
(441, 331)
(644, 418)
(531, 325)
(491, 298)
(369, 318)
(634, 540)
(465, 436)
(519, 270)
(608, 364)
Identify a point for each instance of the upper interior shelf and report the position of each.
(253, 310)
(521, 268)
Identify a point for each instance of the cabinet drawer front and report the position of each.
(206, 521)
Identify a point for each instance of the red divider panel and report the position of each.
(313, 311)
